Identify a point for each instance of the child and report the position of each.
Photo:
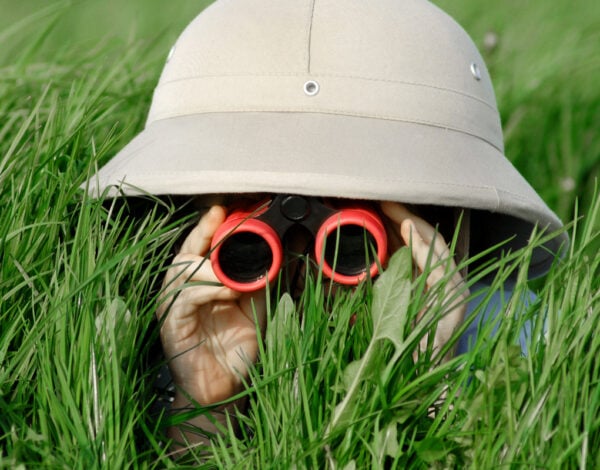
(374, 100)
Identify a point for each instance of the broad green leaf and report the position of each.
(353, 369)
(350, 465)
(390, 303)
(385, 441)
(432, 449)
(391, 295)
(284, 312)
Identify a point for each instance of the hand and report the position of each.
(408, 229)
(208, 332)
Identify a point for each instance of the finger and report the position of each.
(446, 327)
(197, 296)
(440, 260)
(426, 238)
(186, 301)
(199, 239)
(420, 247)
(189, 268)
(396, 211)
(442, 264)
(429, 247)
(398, 214)
(448, 324)
(186, 269)
(426, 231)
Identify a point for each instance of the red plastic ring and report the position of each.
(363, 218)
(237, 223)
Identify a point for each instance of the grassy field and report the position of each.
(78, 277)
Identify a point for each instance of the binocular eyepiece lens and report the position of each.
(245, 257)
(348, 250)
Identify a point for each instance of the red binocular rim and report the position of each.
(358, 217)
(235, 225)
(257, 260)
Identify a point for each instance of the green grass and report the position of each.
(78, 278)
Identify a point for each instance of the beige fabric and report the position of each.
(405, 111)
(347, 96)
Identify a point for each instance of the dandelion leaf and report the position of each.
(432, 449)
(385, 441)
(390, 304)
(391, 295)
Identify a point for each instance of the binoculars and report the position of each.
(247, 252)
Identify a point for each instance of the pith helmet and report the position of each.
(377, 99)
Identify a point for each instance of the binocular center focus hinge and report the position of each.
(295, 208)
(287, 210)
